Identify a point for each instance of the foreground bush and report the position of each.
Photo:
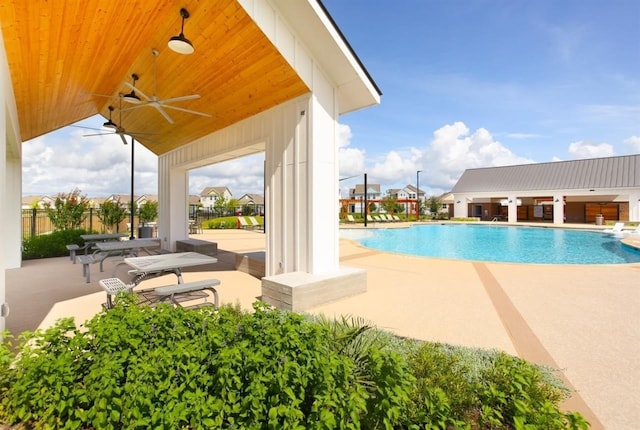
(51, 245)
(136, 367)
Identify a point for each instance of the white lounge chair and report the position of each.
(351, 219)
(243, 223)
(254, 222)
(617, 228)
(634, 232)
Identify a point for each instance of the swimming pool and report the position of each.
(499, 243)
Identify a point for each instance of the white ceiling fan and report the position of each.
(117, 129)
(154, 100)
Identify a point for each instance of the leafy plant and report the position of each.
(69, 210)
(148, 211)
(165, 367)
(111, 213)
(51, 245)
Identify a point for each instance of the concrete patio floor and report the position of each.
(581, 319)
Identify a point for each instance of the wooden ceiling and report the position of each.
(70, 60)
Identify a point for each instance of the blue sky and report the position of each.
(465, 84)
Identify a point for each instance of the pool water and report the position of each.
(499, 243)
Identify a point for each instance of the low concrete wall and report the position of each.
(196, 245)
(251, 263)
(299, 291)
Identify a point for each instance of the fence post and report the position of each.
(34, 214)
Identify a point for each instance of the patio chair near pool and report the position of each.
(634, 232)
(617, 228)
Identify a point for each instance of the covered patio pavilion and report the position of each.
(273, 76)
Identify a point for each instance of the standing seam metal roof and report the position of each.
(610, 172)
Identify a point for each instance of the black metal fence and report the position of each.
(36, 221)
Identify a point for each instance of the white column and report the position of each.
(460, 207)
(634, 207)
(302, 193)
(558, 209)
(173, 203)
(512, 209)
(301, 177)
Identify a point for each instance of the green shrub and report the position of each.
(139, 367)
(51, 245)
(472, 388)
(170, 368)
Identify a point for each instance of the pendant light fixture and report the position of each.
(132, 97)
(181, 44)
(110, 124)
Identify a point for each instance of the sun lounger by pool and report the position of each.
(617, 228)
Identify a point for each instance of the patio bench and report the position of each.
(86, 260)
(180, 292)
(175, 293)
(72, 248)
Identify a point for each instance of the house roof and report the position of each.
(589, 174)
(252, 198)
(71, 60)
(371, 189)
(216, 191)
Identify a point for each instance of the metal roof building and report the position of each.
(563, 191)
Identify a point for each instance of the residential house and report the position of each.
(37, 202)
(355, 202)
(253, 201)
(209, 195)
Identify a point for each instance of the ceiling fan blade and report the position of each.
(188, 111)
(123, 139)
(179, 99)
(97, 134)
(164, 114)
(89, 128)
(138, 90)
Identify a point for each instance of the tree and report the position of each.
(231, 205)
(434, 204)
(69, 210)
(148, 212)
(111, 213)
(389, 203)
(220, 204)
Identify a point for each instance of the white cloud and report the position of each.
(585, 149)
(350, 160)
(454, 149)
(632, 144)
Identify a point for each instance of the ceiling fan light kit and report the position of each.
(132, 97)
(180, 43)
(110, 124)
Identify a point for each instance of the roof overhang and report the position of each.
(71, 60)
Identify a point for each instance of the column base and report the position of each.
(299, 291)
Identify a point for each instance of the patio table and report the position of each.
(157, 265)
(91, 239)
(127, 246)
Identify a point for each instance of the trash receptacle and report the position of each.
(599, 220)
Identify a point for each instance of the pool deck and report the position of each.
(581, 319)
